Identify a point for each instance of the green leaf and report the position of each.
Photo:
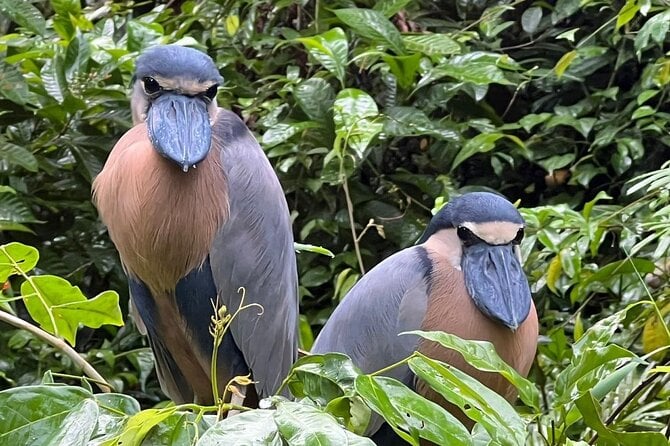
(642, 112)
(484, 142)
(282, 132)
(16, 155)
(356, 119)
(372, 25)
(330, 49)
(24, 14)
(610, 271)
(564, 62)
(139, 425)
(582, 365)
(322, 377)
(654, 29)
(482, 355)
(478, 68)
(530, 19)
(252, 428)
(478, 402)
(12, 84)
(47, 414)
(390, 7)
(410, 121)
(303, 425)
(432, 44)
(590, 410)
(14, 213)
(180, 428)
(51, 299)
(53, 78)
(627, 13)
(315, 97)
(16, 258)
(404, 68)
(299, 247)
(77, 57)
(410, 415)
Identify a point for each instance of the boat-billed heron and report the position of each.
(196, 211)
(463, 277)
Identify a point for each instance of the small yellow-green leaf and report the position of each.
(554, 272)
(579, 327)
(627, 13)
(564, 62)
(16, 258)
(232, 24)
(643, 111)
(655, 336)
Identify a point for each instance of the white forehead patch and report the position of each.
(494, 232)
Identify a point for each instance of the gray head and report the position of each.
(174, 92)
(490, 230)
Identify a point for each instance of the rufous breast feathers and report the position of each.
(162, 220)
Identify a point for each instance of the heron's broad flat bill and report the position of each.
(179, 128)
(496, 281)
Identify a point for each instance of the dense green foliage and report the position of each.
(372, 113)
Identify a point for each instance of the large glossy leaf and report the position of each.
(304, 425)
(356, 119)
(24, 14)
(17, 155)
(409, 121)
(478, 68)
(655, 29)
(482, 355)
(315, 97)
(477, 401)
(53, 78)
(410, 415)
(372, 25)
(390, 7)
(46, 414)
(322, 377)
(330, 49)
(253, 428)
(14, 213)
(60, 307)
(12, 84)
(432, 44)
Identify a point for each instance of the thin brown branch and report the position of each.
(60, 345)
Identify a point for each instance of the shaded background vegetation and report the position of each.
(371, 112)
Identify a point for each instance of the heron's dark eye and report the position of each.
(518, 238)
(211, 91)
(151, 86)
(466, 236)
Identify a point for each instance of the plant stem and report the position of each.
(393, 366)
(60, 345)
(352, 223)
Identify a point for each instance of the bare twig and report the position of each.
(352, 223)
(60, 345)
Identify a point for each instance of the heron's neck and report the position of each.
(162, 220)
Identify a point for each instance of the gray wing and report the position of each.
(388, 300)
(254, 250)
